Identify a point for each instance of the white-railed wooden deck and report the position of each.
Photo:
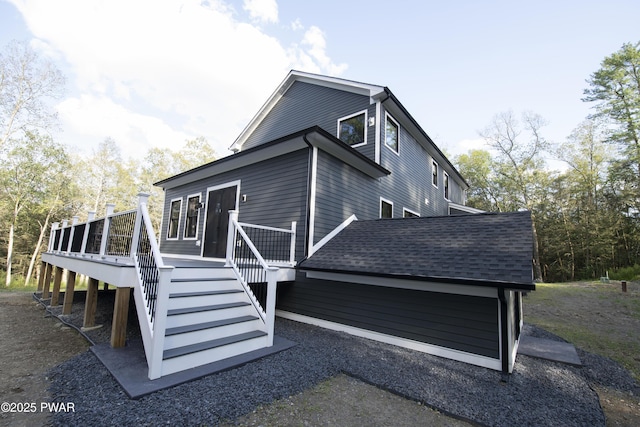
(192, 311)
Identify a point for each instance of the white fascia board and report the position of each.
(464, 208)
(372, 91)
(236, 161)
(122, 276)
(417, 285)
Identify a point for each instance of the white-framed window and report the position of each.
(391, 134)
(386, 208)
(408, 213)
(175, 210)
(445, 178)
(352, 129)
(434, 173)
(192, 216)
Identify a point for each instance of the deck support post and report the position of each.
(120, 317)
(68, 293)
(57, 279)
(47, 282)
(43, 269)
(91, 304)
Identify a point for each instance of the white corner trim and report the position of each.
(461, 356)
(312, 198)
(332, 234)
(377, 135)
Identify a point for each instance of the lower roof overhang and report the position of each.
(474, 282)
(311, 137)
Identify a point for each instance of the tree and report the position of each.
(477, 166)
(27, 82)
(163, 163)
(30, 172)
(519, 164)
(615, 89)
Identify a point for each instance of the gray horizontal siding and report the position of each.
(276, 195)
(342, 191)
(459, 322)
(409, 184)
(305, 105)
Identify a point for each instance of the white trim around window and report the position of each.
(389, 118)
(446, 184)
(198, 210)
(365, 126)
(411, 213)
(388, 202)
(173, 226)
(434, 173)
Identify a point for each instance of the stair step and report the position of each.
(201, 279)
(207, 345)
(188, 310)
(208, 325)
(204, 293)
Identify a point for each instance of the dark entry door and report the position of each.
(220, 202)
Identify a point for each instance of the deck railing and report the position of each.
(154, 278)
(257, 275)
(126, 237)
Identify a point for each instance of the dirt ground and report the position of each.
(29, 346)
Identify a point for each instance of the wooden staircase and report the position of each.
(210, 317)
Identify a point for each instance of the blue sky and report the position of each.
(150, 73)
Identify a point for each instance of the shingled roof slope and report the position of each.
(483, 249)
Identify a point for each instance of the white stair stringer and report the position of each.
(210, 318)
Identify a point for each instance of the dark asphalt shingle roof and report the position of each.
(484, 249)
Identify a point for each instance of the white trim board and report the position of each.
(461, 356)
(418, 285)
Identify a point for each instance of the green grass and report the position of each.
(596, 317)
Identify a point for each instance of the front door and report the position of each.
(220, 202)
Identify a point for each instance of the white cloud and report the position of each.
(182, 67)
(96, 118)
(265, 11)
(313, 56)
(297, 25)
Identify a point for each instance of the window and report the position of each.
(434, 173)
(386, 208)
(191, 221)
(174, 218)
(392, 134)
(351, 129)
(406, 213)
(446, 185)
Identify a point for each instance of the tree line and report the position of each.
(586, 218)
(43, 181)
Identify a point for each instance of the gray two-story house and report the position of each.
(323, 151)
(336, 209)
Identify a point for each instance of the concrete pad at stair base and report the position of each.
(128, 365)
(556, 351)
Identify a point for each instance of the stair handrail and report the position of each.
(151, 292)
(267, 314)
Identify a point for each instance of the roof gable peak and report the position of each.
(373, 91)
